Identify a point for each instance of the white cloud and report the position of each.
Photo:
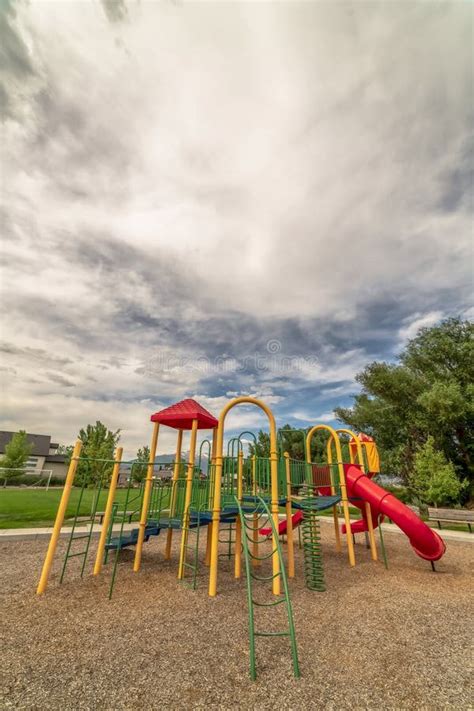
(311, 419)
(413, 324)
(275, 161)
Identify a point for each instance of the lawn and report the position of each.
(25, 508)
(29, 508)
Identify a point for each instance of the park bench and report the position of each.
(451, 516)
(128, 514)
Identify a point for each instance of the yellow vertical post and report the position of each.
(108, 511)
(342, 482)
(337, 533)
(146, 497)
(238, 525)
(187, 500)
(53, 541)
(174, 486)
(289, 521)
(216, 512)
(274, 494)
(368, 510)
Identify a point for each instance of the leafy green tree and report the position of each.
(434, 479)
(429, 391)
(98, 443)
(17, 452)
(140, 467)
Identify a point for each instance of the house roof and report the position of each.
(181, 416)
(41, 443)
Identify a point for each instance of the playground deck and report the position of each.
(161, 645)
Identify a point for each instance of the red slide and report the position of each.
(424, 540)
(296, 520)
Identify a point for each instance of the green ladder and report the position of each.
(247, 527)
(191, 550)
(313, 559)
(227, 527)
(89, 521)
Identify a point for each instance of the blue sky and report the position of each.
(209, 199)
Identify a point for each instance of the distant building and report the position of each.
(43, 457)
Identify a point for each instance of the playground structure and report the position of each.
(244, 496)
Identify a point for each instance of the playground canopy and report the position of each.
(181, 416)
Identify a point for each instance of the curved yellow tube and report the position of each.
(368, 512)
(217, 490)
(342, 479)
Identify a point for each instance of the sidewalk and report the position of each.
(32, 534)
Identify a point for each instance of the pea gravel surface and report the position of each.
(394, 639)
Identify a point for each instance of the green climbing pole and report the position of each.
(313, 561)
(264, 518)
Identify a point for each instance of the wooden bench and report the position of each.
(100, 515)
(451, 516)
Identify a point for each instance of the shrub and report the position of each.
(434, 479)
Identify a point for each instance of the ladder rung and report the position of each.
(271, 634)
(78, 538)
(269, 604)
(73, 555)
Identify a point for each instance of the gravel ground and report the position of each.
(399, 639)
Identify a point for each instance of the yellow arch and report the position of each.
(368, 512)
(334, 439)
(360, 453)
(216, 509)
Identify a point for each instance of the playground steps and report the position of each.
(130, 539)
(192, 524)
(247, 527)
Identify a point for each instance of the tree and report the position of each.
(291, 440)
(98, 443)
(434, 479)
(429, 391)
(17, 452)
(139, 469)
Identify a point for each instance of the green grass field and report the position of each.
(30, 508)
(25, 508)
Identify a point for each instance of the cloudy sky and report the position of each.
(211, 199)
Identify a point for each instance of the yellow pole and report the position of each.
(274, 484)
(108, 511)
(342, 482)
(174, 485)
(289, 521)
(335, 517)
(368, 511)
(146, 498)
(217, 491)
(238, 525)
(187, 500)
(53, 541)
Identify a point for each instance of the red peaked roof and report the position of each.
(181, 416)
